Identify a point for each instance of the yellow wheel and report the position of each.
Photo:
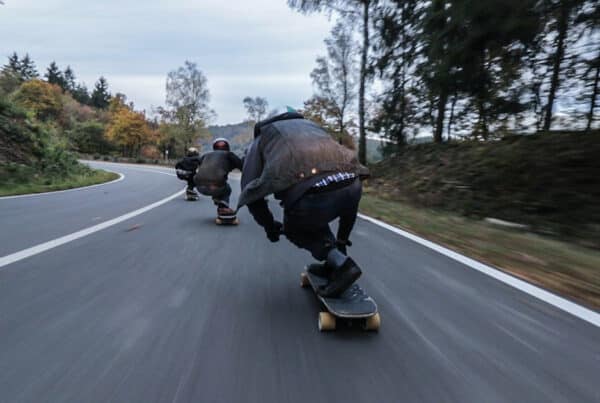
(218, 221)
(373, 322)
(326, 322)
(304, 280)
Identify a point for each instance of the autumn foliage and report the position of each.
(42, 98)
(128, 128)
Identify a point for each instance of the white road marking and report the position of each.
(34, 250)
(120, 178)
(561, 303)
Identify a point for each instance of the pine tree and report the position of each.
(69, 77)
(81, 94)
(54, 75)
(13, 65)
(100, 97)
(27, 68)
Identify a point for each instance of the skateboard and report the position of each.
(227, 220)
(353, 305)
(191, 195)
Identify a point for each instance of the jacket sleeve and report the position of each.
(252, 169)
(235, 161)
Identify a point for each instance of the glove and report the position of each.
(274, 231)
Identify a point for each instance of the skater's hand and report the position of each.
(274, 231)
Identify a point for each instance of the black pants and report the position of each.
(190, 182)
(306, 223)
(218, 193)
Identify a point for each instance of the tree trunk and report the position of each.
(558, 58)
(439, 119)
(362, 136)
(594, 96)
(451, 119)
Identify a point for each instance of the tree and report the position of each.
(334, 76)
(42, 98)
(100, 97)
(13, 65)
(358, 9)
(69, 77)
(561, 16)
(256, 108)
(81, 94)
(27, 68)
(321, 111)
(128, 128)
(54, 75)
(396, 34)
(187, 102)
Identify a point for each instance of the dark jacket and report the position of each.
(188, 164)
(214, 166)
(287, 157)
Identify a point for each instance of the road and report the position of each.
(167, 307)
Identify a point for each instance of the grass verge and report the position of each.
(42, 183)
(564, 268)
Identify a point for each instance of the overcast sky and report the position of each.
(253, 47)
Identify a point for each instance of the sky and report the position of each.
(244, 48)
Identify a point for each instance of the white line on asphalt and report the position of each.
(574, 309)
(34, 250)
(120, 178)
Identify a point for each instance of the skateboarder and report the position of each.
(317, 180)
(186, 168)
(211, 175)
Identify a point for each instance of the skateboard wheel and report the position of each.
(218, 221)
(304, 280)
(326, 322)
(373, 322)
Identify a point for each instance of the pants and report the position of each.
(220, 194)
(306, 223)
(190, 183)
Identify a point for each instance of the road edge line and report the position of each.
(559, 302)
(34, 250)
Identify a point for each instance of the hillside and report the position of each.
(551, 182)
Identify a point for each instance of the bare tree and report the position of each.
(256, 107)
(335, 75)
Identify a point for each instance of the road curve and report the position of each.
(168, 307)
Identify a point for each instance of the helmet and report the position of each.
(221, 144)
(192, 152)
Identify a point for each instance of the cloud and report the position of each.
(258, 47)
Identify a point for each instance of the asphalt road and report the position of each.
(168, 307)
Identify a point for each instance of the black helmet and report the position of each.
(221, 144)
(192, 152)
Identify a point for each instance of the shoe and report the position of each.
(340, 280)
(320, 269)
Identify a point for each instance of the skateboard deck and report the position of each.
(227, 220)
(353, 304)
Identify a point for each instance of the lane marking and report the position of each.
(34, 250)
(561, 303)
(52, 192)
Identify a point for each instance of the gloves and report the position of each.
(274, 231)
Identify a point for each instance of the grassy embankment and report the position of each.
(444, 193)
(23, 182)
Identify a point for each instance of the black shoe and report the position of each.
(319, 269)
(340, 280)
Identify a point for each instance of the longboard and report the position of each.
(353, 304)
(227, 220)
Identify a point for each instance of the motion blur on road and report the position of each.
(167, 306)
(473, 127)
